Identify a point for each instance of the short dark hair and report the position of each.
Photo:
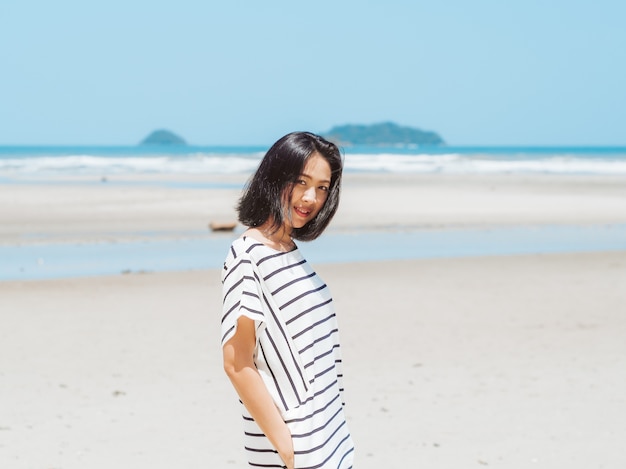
(264, 195)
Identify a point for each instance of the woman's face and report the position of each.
(309, 192)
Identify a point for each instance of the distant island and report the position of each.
(163, 137)
(385, 133)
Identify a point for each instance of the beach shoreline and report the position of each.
(140, 207)
(505, 360)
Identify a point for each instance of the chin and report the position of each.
(299, 223)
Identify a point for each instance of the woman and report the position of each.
(279, 330)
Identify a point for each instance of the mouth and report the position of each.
(302, 212)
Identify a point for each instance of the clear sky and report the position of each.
(526, 72)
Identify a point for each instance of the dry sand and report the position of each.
(510, 362)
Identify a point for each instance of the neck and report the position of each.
(278, 239)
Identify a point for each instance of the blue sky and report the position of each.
(246, 72)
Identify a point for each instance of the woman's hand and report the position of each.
(288, 458)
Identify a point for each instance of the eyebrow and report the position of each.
(310, 177)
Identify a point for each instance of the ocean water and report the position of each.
(22, 162)
(30, 262)
(25, 164)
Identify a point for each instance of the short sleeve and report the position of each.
(241, 295)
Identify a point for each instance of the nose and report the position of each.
(309, 195)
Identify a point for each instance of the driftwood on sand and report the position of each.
(222, 225)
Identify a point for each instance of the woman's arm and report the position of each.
(239, 366)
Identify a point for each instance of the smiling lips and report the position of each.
(303, 212)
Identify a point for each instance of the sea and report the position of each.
(62, 164)
(19, 162)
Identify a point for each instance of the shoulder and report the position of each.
(241, 249)
(245, 245)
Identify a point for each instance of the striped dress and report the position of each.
(297, 352)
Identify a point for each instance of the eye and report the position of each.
(324, 188)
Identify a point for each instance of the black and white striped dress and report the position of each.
(297, 352)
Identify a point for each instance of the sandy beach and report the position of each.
(138, 207)
(505, 361)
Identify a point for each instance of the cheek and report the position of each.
(322, 201)
(324, 197)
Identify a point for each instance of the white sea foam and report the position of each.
(87, 164)
(228, 163)
(390, 162)
(457, 163)
(556, 165)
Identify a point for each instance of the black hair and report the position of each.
(264, 195)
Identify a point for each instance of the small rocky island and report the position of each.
(163, 137)
(385, 133)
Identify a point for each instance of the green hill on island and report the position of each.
(163, 137)
(385, 133)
